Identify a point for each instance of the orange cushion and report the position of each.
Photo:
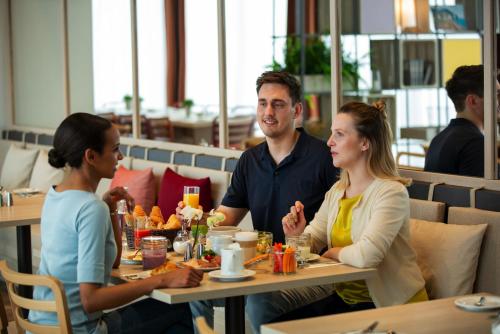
(140, 183)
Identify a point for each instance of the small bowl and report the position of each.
(169, 234)
(224, 230)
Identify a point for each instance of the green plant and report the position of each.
(187, 103)
(128, 100)
(317, 59)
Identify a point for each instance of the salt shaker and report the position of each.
(8, 199)
(188, 253)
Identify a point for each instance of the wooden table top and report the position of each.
(263, 281)
(25, 211)
(435, 316)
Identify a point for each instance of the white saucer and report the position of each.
(26, 191)
(469, 303)
(231, 278)
(313, 257)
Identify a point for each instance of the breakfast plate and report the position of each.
(470, 303)
(182, 264)
(26, 191)
(245, 273)
(313, 257)
(131, 257)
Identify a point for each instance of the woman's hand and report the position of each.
(294, 222)
(180, 278)
(116, 194)
(332, 253)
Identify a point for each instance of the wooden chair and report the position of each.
(125, 124)
(203, 327)
(408, 154)
(4, 322)
(239, 129)
(58, 306)
(161, 129)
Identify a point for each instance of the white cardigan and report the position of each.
(381, 239)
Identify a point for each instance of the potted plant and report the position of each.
(317, 64)
(187, 104)
(127, 99)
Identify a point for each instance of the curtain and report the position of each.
(176, 51)
(311, 21)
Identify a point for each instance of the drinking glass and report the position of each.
(191, 196)
(304, 246)
(264, 242)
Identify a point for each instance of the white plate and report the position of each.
(26, 191)
(138, 276)
(468, 303)
(231, 278)
(313, 257)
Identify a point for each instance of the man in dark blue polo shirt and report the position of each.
(459, 148)
(290, 165)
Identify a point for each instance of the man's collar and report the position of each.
(299, 150)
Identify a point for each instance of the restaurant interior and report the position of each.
(177, 79)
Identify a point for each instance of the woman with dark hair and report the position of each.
(364, 218)
(81, 241)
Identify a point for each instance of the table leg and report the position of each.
(235, 315)
(24, 256)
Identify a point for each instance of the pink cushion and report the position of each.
(172, 188)
(140, 183)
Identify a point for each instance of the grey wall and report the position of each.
(5, 103)
(38, 61)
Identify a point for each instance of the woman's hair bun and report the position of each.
(380, 106)
(55, 160)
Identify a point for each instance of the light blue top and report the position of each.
(78, 246)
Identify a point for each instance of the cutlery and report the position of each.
(370, 328)
(480, 302)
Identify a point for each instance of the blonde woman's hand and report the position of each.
(294, 222)
(111, 197)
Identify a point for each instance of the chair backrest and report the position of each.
(408, 154)
(58, 305)
(161, 128)
(203, 327)
(125, 121)
(427, 210)
(239, 129)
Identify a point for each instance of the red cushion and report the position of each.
(140, 183)
(172, 188)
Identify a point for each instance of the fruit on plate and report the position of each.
(173, 223)
(156, 217)
(164, 268)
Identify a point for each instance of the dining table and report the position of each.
(324, 271)
(25, 211)
(430, 317)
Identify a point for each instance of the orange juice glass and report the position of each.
(191, 196)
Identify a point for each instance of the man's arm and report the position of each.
(233, 215)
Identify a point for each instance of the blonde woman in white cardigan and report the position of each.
(364, 218)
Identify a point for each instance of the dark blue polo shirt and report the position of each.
(458, 149)
(269, 190)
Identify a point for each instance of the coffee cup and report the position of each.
(232, 260)
(219, 242)
(248, 243)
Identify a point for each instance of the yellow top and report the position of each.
(355, 291)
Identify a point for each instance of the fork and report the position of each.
(370, 328)
(480, 302)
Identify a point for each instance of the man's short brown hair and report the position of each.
(464, 81)
(282, 78)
